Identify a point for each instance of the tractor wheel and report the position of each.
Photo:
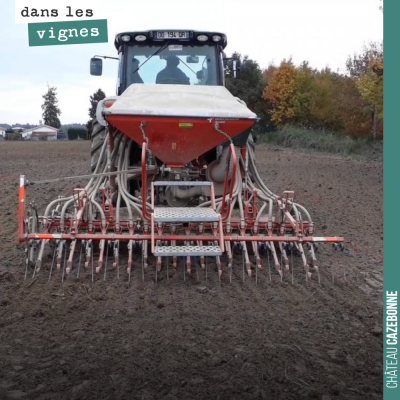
(98, 136)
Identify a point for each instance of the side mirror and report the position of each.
(233, 65)
(96, 66)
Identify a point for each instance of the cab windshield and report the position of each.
(173, 64)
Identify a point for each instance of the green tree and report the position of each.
(50, 108)
(360, 64)
(94, 100)
(72, 134)
(366, 69)
(248, 84)
(77, 133)
(290, 94)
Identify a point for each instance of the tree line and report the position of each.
(51, 113)
(349, 103)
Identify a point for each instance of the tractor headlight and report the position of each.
(125, 38)
(216, 38)
(202, 38)
(140, 38)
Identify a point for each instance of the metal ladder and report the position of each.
(160, 215)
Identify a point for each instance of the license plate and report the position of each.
(171, 35)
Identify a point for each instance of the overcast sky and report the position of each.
(323, 32)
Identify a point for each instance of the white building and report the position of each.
(2, 132)
(42, 132)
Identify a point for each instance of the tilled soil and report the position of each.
(181, 338)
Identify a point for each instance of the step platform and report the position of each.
(176, 251)
(185, 214)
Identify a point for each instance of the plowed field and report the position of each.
(181, 338)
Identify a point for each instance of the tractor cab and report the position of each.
(170, 57)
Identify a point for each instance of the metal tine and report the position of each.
(159, 263)
(257, 255)
(258, 260)
(59, 253)
(143, 261)
(219, 267)
(116, 253)
(92, 264)
(64, 264)
(108, 245)
(80, 257)
(292, 262)
(174, 259)
(314, 261)
(158, 267)
(52, 262)
(129, 268)
(71, 257)
(256, 274)
(269, 260)
(188, 265)
(284, 255)
(32, 251)
(276, 261)
(145, 253)
(88, 252)
(39, 260)
(268, 251)
(246, 259)
(243, 268)
(26, 262)
(116, 257)
(101, 256)
(202, 259)
(230, 260)
(305, 264)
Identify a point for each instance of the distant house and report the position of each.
(2, 132)
(42, 132)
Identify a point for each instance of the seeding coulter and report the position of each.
(172, 175)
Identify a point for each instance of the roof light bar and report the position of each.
(140, 38)
(202, 38)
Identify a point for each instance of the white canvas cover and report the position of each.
(180, 101)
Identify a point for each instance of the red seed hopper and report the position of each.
(179, 123)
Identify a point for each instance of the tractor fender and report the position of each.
(100, 108)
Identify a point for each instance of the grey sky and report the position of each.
(323, 32)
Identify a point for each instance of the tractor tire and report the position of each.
(98, 136)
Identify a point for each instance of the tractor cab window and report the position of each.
(174, 64)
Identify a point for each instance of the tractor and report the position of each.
(173, 173)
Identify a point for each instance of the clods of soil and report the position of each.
(183, 338)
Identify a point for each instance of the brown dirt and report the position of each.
(180, 339)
